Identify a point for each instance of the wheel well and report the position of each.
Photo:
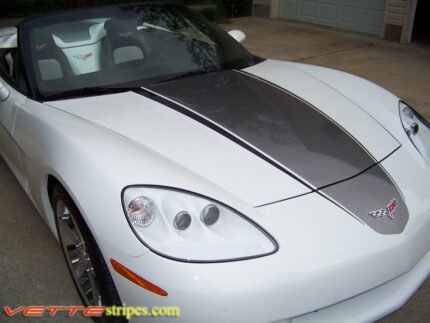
(52, 182)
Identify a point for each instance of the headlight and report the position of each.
(417, 128)
(189, 227)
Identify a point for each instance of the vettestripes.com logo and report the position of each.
(92, 311)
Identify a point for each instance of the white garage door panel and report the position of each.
(289, 6)
(363, 16)
(348, 16)
(308, 8)
(328, 12)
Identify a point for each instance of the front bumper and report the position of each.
(374, 304)
(329, 266)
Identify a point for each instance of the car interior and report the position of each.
(92, 51)
(127, 47)
(10, 68)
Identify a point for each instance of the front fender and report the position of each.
(94, 164)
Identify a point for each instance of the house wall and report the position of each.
(399, 20)
(397, 24)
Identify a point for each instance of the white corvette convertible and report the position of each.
(175, 168)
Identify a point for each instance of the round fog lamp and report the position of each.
(182, 221)
(141, 211)
(210, 214)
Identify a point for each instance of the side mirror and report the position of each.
(4, 92)
(238, 35)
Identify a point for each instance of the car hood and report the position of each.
(267, 133)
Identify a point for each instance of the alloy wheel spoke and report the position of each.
(77, 255)
(94, 287)
(80, 269)
(73, 236)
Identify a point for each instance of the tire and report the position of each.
(86, 264)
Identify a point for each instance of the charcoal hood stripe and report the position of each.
(370, 192)
(272, 122)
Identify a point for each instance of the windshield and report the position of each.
(123, 46)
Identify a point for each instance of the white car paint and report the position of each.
(97, 146)
(342, 109)
(238, 35)
(379, 103)
(8, 37)
(323, 259)
(188, 143)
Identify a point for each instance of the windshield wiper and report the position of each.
(88, 91)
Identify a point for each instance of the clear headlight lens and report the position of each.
(141, 211)
(417, 129)
(192, 228)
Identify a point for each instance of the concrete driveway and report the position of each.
(32, 269)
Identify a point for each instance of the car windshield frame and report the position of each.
(220, 45)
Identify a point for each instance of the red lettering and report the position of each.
(54, 309)
(34, 311)
(10, 312)
(73, 309)
(94, 311)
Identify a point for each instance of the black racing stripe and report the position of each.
(218, 129)
(274, 124)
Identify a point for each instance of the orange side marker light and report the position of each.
(135, 278)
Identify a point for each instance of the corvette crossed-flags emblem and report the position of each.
(388, 211)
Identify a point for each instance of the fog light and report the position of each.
(210, 214)
(182, 221)
(141, 211)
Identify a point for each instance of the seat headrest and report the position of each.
(121, 28)
(42, 40)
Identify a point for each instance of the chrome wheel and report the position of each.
(77, 255)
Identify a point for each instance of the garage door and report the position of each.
(363, 16)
